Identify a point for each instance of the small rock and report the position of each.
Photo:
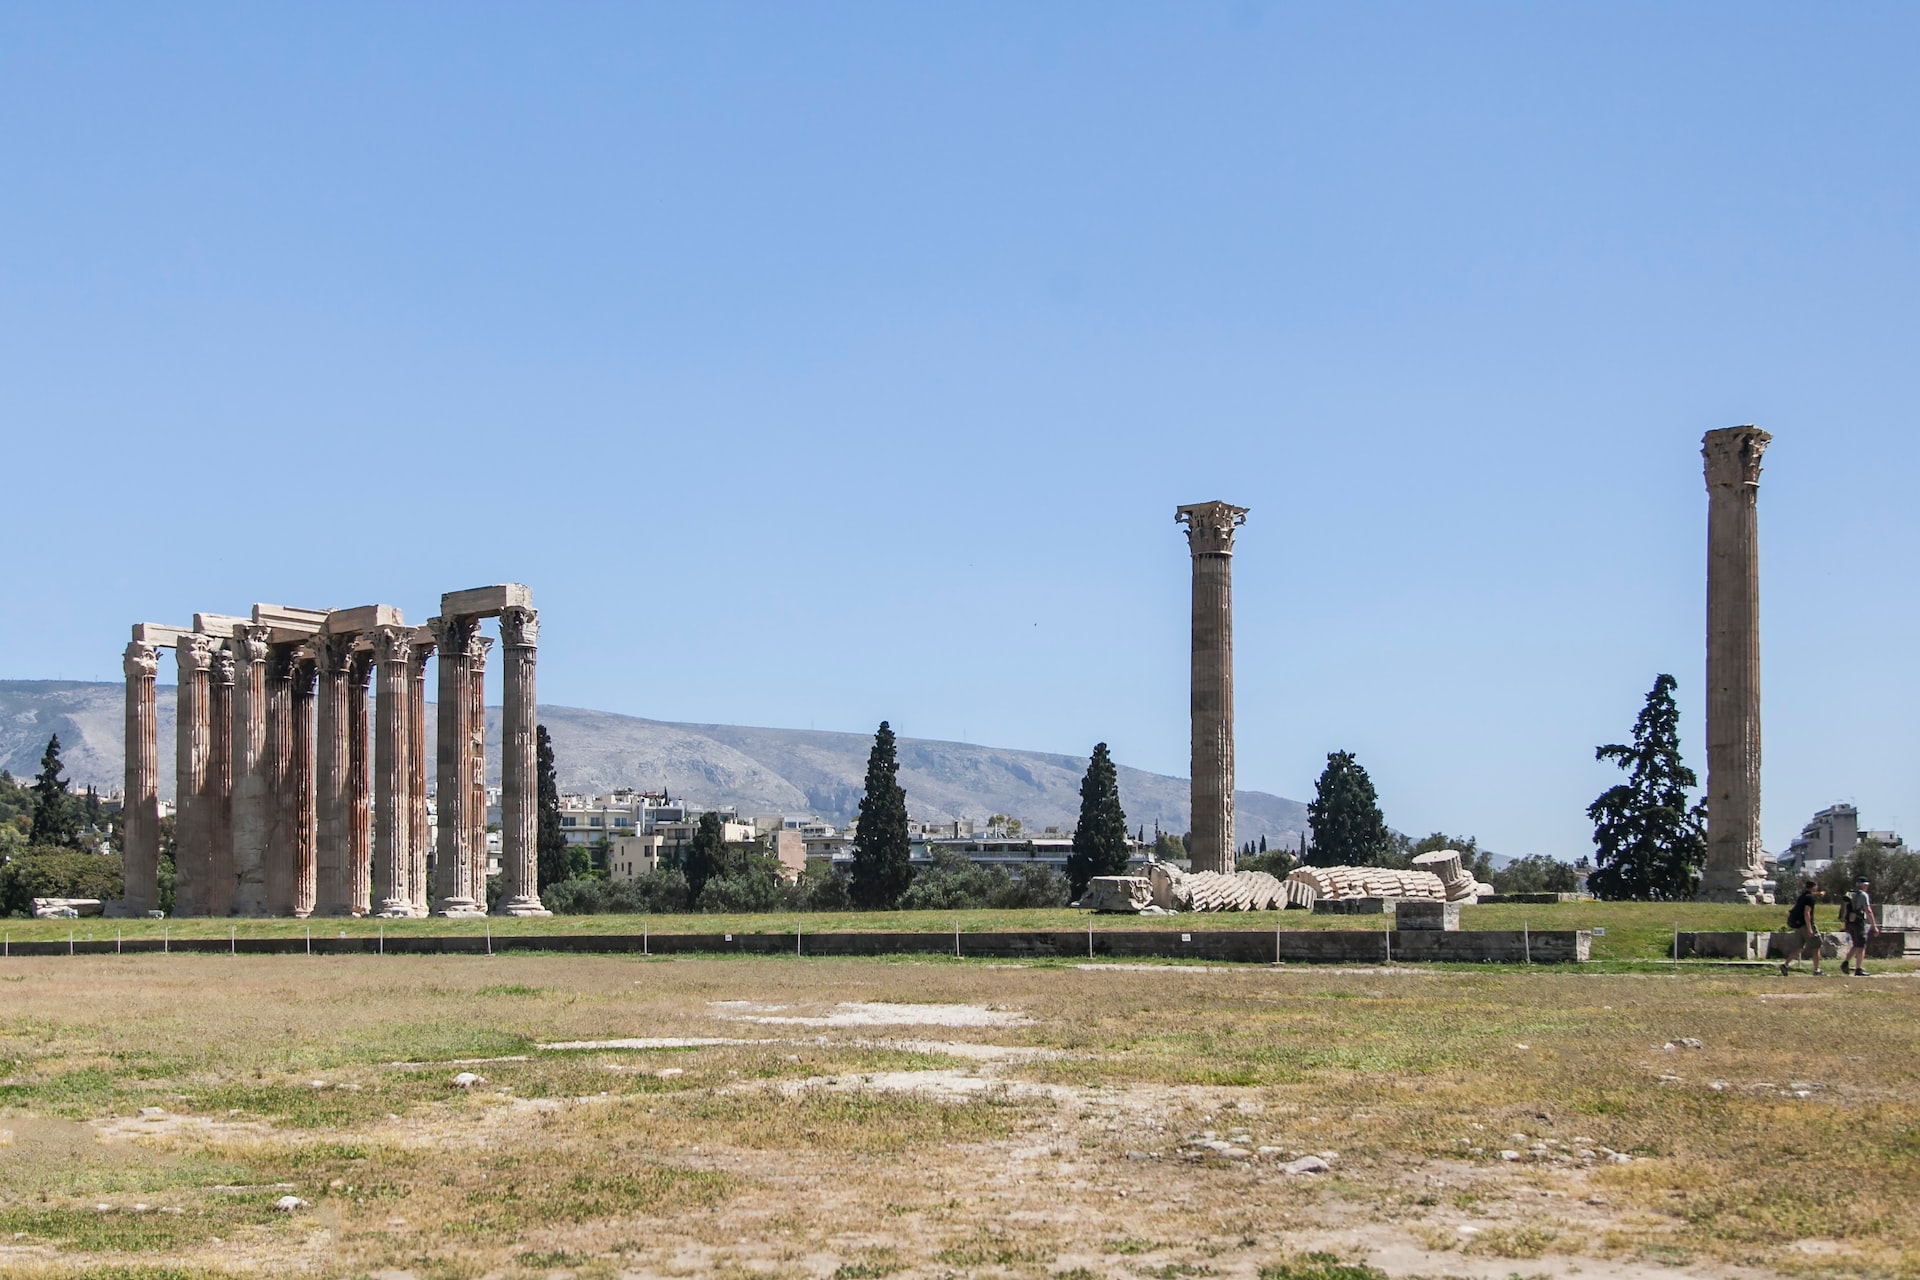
(287, 1204)
(1509, 1155)
(668, 1073)
(1718, 1086)
(1516, 1137)
(1584, 1154)
(466, 1080)
(1692, 1043)
(1329, 1156)
(171, 1208)
(1306, 1164)
(1236, 1153)
(151, 1112)
(1596, 1199)
(1138, 1155)
(1619, 1157)
(316, 1084)
(1269, 1151)
(142, 1208)
(1521, 1046)
(103, 1208)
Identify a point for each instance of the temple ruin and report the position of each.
(1210, 527)
(287, 806)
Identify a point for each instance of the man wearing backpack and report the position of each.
(1800, 921)
(1860, 926)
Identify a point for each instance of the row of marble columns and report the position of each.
(288, 808)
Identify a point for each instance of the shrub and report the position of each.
(654, 893)
(1535, 873)
(50, 871)
(1894, 872)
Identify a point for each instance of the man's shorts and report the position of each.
(1857, 934)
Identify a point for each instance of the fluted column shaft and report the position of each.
(475, 872)
(141, 862)
(192, 751)
(220, 872)
(392, 807)
(359, 811)
(1210, 529)
(1735, 871)
(300, 776)
(332, 813)
(252, 772)
(457, 639)
(420, 842)
(280, 831)
(519, 639)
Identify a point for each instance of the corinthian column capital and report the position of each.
(194, 653)
(251, 643)
(141, 660)
(520, 627)
(1733, 456)
(1210, 526)
(222, 660)
(392, 644)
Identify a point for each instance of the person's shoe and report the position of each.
(1819, 973)
(1783, 968)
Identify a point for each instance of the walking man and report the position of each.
(1861, 925)
(1800, 921)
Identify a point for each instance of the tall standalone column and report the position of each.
(252, 772)
(332, 813)
(458, 642)
(1734, 871)
(192, 751)
(519, 641)
(1210, 527)
(142, 862)
(359, 814)
(280, 833)
(301, 781)
(392, 806)
(220, 875)
(420, 841)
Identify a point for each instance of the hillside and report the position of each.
(758, 770)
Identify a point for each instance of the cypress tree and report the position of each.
(882, 856)
(1650, 844)
(550, 843)
(1100, 839)
(1348, 830)
(706, 856)
(54, 821)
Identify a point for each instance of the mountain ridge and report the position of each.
(759, 770)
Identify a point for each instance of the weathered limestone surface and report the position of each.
(142, 858)
(1210, 531)
(392, 806)
(420, 844)
(280, 830)
(1332, 883)
(1419, 913)
(1125, 894)
(332, 811)
(458, 640)
(192, 750)
(220, 872)
(1734, 870)
(252, 775)
(300, 780)
(473, 871)
(520, 895)
(359, 787)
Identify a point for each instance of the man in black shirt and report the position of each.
(1804, 935)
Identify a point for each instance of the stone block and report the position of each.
(1414, 913)
(364, 617)
(1128, 894)
(159, 634)
(1893, 916)
(1350, 907)
(1722, 945)
(218, 624)
(483, 601)
(66, 908)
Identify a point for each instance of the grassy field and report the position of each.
(1035, 1120)
(1634, 930)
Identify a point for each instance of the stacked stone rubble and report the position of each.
(1176, 890)
(1369, 882)
(1458, 882)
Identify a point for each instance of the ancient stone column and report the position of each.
(458, 641)
(359, 801)
(220, 873)
(519, 640)
(420, 841)
(301, 782)
(1210, 527)
(252, 772)
(332, 812)
(142, 830)
(192, 750)
(392, 806)
(476, 868)
(1734, 870)
(280, 835)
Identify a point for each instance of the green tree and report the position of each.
(56, 871)
(1892, 869)
(54, 819)
(1473, 859)
(1345, 815)
(1535, 873)
(1100, 839)
(706, 856)
(882, 865)
(1168, 848)
(1649, 843)
(550, 843)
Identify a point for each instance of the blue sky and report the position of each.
(823, 363)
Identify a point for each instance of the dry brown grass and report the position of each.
(1055, 1146)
